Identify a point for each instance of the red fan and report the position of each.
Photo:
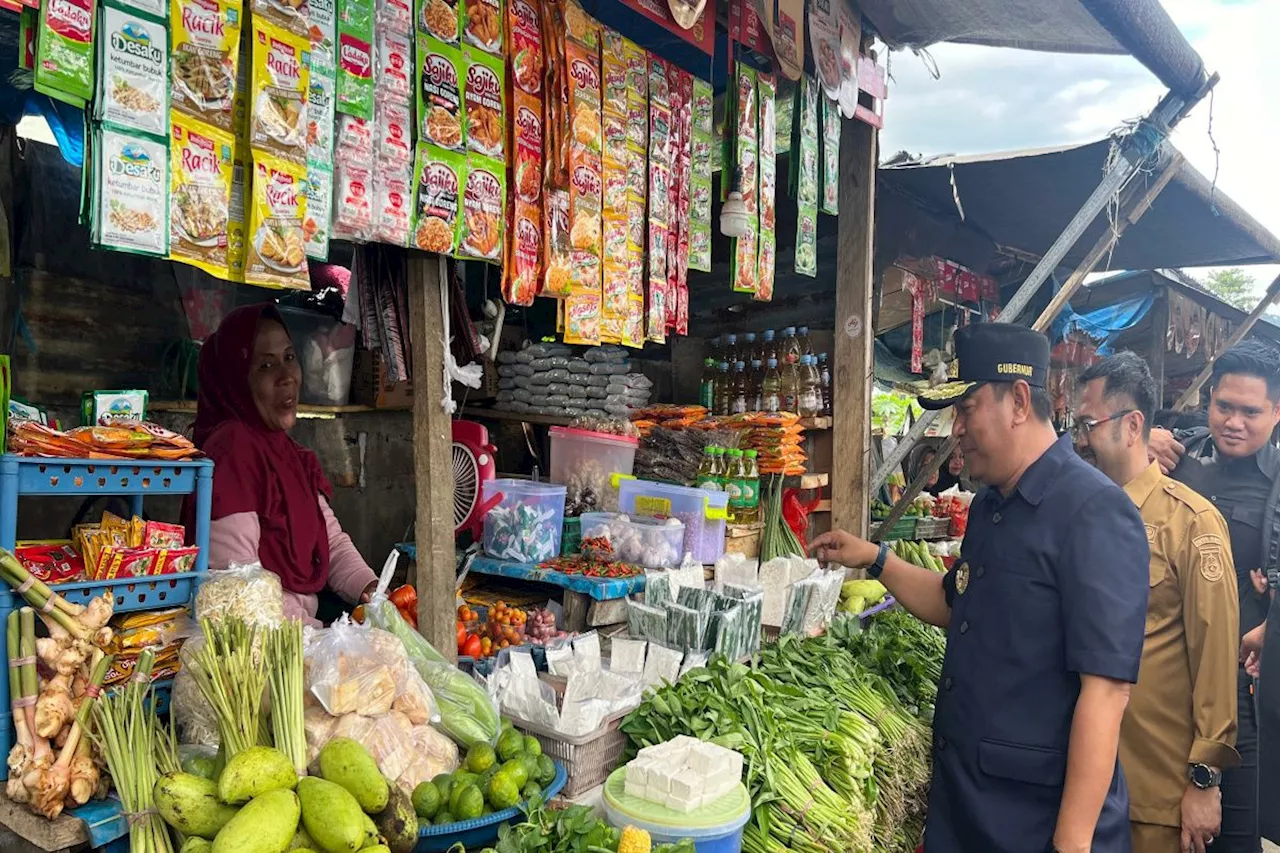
(472, 465)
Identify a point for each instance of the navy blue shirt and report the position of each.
(1051, 584)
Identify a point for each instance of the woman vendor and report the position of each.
(270, 498)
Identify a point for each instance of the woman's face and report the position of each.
(274, 377)
(956, 464)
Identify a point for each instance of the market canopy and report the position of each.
(1022, 200)
(1141, 28)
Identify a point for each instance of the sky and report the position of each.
(992, 99)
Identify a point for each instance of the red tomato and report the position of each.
(471, 648)
(462, 635)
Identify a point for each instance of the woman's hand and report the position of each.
(367, 595)
(839, 546)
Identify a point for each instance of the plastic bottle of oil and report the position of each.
(730, 349)
(802, 338)
(755, 393)
(790, 387)
(708, 471)
(750, 487)
(747, 347)
(790, 347)
(824, 375)
(771, 388)
(810, 402)
(707, 389)
(738, 397)
(733, 477)
(769, 347)
(723, 390)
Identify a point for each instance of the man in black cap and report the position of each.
(1045, 612)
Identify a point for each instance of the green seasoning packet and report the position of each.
(700, 181)
(484, 208)
(766, 92)
(830, 157)
(747, 159)
(130, 192)
(133, 70)
(807, 178)
(64, 59)
(355, 58)
(319, 205)
(438, 177)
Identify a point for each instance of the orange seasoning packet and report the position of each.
(524, 263)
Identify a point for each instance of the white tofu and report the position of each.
(684, 805)
(637, 773)
(660, 781)
(636, 789)
(705, 759)
(686, 784)
(651, 752)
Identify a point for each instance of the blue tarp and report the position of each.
(1104, 324)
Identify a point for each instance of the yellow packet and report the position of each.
(205, 50)
(276, 249)
(200, 177)
(280, 79)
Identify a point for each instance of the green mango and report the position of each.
(254, 772)
(332, 817)
(398, 823)
(196, 845)
(347, 763)
(265, 825)
(190, 804)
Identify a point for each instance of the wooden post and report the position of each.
(1159, 327)
(434, 574)
(854, 353)
(1192, 394)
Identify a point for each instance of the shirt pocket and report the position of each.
(1033, 765)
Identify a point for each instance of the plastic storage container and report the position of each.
(584, 461)
(326, 349)
(715, 828)
(526, 522)
(650, 542)
(703, 512)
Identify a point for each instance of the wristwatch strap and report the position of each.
(877, 567)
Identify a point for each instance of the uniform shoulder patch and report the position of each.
(1187, 496)
(1151, 533)
(1212, 553)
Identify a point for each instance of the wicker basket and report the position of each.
(933, 528)
(588, 759)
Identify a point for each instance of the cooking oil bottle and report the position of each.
(723, 391)
(755, 395)
(769, 347)
(733, 477)
(790, 387)
(749, 486)
(810, 402)
(790, 347)
(738, 398)
(802, 339)
(707, 388)
(824, 374)
(708, 471)
(771, 388)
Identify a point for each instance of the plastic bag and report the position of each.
(354, 669)
(468, 713)
(605, 353)
(638, 380)
(405, 753)
(244, 591)
(196, 720)
(506, 357)
(599, 379)
(579, 365)
(549, 363)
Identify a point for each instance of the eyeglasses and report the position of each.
(1082, 429)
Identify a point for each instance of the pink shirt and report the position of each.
(234, 538)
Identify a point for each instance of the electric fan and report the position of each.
(472, 465)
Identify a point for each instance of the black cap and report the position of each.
(992, 352)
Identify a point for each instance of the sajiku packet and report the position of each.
(438, 177)
(766, 91)
(484, 101)
(484, 207)
(133, 72)
(277, 243)
(439, 94)
(525, 45)
(439, 19)
(482, 25)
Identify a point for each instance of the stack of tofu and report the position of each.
(684, 774)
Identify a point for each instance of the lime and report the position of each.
(486, 811)
(546, 770)
(504, 793)
(444, 784)
(204, 766)
(480, 758)
(426, 800)
(462, 777)
(457, 796)
(443, 818)
(510, 744)
(531, 746)
(470, 804)
(530, 765)
(516, 769)
(530, 791)
(507, 725)
(483, 782)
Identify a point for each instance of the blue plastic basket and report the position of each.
(483, 831)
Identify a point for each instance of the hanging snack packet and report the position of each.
(558, 277)
(526, 254)
(484, 207)
(130, 175)
(281, 80)
(277, 245)
(440, 107)
(394, 129)
(700, 181)
(526, 154)
(353, 201)
(133, 71)
(766, 90)
(323, 32)
(746, 156)
(524, 21)
(315, 228)
(354, 142)
(482, 25)
(205, 51)
(200, 179)
(439, 19)
(808, 175)
(830, 144)
(291, 15)
(582, 318)
(394, 72)
(483, 99)
(393, 203)
(437, 185)
(64, 53)
(321, 112)
(355, 58)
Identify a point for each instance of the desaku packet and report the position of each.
(133, 71)
(131, 173)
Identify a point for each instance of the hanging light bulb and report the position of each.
(734, 218)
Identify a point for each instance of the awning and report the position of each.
(1022, 200)
(1141, 28)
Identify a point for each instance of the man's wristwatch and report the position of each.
(874, 570)
(1204, 777)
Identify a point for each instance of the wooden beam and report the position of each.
(434, 574)
(1192, 394)
(1159, 328)
(853, 358)
(1133, 206)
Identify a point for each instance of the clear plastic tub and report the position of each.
(326, 349)
(714, 828)
(650, 542)
(526, 523)
(584, 461)
(703, 512)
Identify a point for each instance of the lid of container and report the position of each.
(571, 432)
(724, 815)
(528, 487)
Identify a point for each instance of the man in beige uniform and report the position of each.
(1179, 729)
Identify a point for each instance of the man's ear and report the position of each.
(1021, 391)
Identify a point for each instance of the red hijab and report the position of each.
(257, 469)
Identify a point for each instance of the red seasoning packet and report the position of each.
(51, 562)
(158, 534)
(172, 561)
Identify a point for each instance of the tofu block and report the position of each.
(660, 781)
(638, 773)
(734, 768)
(686, 784)
(684, 805)
(636, 789)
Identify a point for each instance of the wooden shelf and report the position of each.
(819, 423)
(304, 410)
(823, 506)
(500, 415)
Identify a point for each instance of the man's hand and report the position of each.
(1165, 449)
(1259, 578)
(839, 546)
(1201, 818)
(1251, 650)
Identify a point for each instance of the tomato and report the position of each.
(462, 635)
(471, 648)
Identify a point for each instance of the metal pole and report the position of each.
(1137, 147)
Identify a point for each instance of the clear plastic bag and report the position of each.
(578, 392)
(549, 363)
(600, 380)
(354, 669)
(506, 383)
(522, 369)
(506, 370)
(244, 591)
(559, 388)
(544, 350)
(638, 380)
(196, 720)
(506, 357)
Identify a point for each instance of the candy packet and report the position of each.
(393, 202)
(353, 201)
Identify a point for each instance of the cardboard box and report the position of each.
(370, 387)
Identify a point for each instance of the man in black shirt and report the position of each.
(1235, 466)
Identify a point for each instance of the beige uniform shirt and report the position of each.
(1183, 709)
